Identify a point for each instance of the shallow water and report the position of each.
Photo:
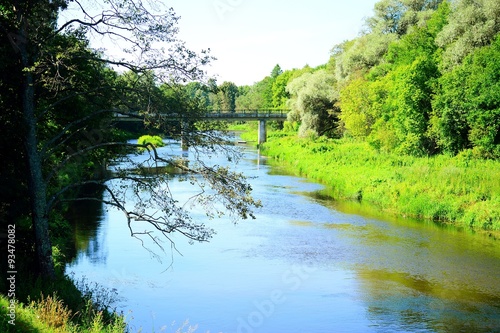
(306, 264)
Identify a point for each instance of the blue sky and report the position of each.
(249, 37)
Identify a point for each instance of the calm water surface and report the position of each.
(305, 264)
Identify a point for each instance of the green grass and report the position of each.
(458, 190)
(60, 305)
(51, 315)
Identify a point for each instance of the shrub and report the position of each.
(155, 140)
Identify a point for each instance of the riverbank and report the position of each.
(459, 190)
(59, 306)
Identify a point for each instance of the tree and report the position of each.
(359, 55)
(199, 92)
(228, 92)
(258, 97)
(392, 20)
(467, 105)
(313, 99)
(399, 16)
(391, 104)
(357, 101)
(280, 95)
(472, 24)
(277, 71)
(407, 108)
(55, 71)
(411, 64)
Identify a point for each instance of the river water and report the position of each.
(306, 264)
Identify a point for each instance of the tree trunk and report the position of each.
(37, 187)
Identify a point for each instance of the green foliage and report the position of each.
(51, 315)
(280, 95)
(460, 190)
(467, 107)
(407, 108)
(312, 103)
(154, 140)
(61, 305)
(358, 102)
(270, 92)
(471, 24)
(228, 92)
(391, 106)
(361, 54)
(258, 97)
(399, 16)
(291, 127)
(277, 71)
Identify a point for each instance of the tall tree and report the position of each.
(391, 105)
(56, 72)
(312, 102)
(228, 92)
(472, 24)
(277, 71)
(467, 104)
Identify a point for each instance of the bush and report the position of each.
(154, 140)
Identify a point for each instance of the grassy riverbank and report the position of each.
(59, 306)
(459, 190)
(50, 315)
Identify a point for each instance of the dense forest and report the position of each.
(421, 79)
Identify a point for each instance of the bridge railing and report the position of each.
(248, 114)
(219, 114)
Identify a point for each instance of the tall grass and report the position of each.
(460, 190)
(51, 315)
(61, 305)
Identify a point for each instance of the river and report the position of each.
(306, 264)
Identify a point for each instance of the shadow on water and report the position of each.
(85, 218)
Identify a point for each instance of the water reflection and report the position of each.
(397, 299)
(86, 218)
(365, 272)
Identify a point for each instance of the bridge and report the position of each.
(245, 115)
(239, 115)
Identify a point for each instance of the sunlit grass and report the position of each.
(459, 190)
(51, 315)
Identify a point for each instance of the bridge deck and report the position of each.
(248, 115)
(225, 115)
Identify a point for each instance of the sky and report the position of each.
(249, 37)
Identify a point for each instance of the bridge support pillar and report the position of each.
(184, 139)
(262, 131)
